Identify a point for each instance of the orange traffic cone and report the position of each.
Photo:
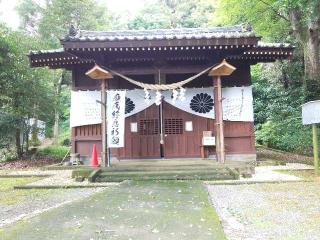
(94, 158)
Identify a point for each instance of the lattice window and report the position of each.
(173, 126)
(149, 127)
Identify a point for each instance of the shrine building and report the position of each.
(170, 96)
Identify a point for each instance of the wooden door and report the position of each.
(142, 135)
(179, 141)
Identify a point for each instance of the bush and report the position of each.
(7, 155)
(53, 151)
(64, 139)
(267, 135)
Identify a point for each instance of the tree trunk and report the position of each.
(18, 143)
(56, 110)
(308, 36)
(56, 123)
(312, 52)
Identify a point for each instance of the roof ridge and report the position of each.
(234, 31)
(230, 27)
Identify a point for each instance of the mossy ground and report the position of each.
(133, 210)
(8, 195)
(307, 174)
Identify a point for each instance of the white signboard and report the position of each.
(116, 103)
(311, 112)
(208, 141)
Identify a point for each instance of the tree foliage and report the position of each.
(295, 21)
(51, 21)
(24, 92)
(280, 88)
(173, 14)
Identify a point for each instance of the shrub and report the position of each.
(64, 139)
(53, 151)
(7, 155)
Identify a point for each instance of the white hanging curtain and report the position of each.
(237, 104)
(85, 110)
(136, 102)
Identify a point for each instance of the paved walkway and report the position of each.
(152, 210)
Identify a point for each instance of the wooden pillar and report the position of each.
(315, 148)
(218, 111)
(221, 69)
(99, 73)
(103, 122)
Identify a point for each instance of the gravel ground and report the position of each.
(41, 201)
(266, 174)
(268, 211)
(61, 178)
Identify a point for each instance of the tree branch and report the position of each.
(274, 10)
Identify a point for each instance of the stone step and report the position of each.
(204, 177)
(208, 174)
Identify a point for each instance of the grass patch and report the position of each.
(53, 151)
(8, 195)
(307, 174)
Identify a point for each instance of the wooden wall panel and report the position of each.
(84, 147)
(186, 144)
(239, 137)
(139, 145)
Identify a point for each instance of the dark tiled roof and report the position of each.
(238, 31)
(261, 45)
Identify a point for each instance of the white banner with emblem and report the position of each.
(116, 102)
(237, 104)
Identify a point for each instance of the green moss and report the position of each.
(81, 172)
(307, 174)
(8, 195)
(135, 209)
